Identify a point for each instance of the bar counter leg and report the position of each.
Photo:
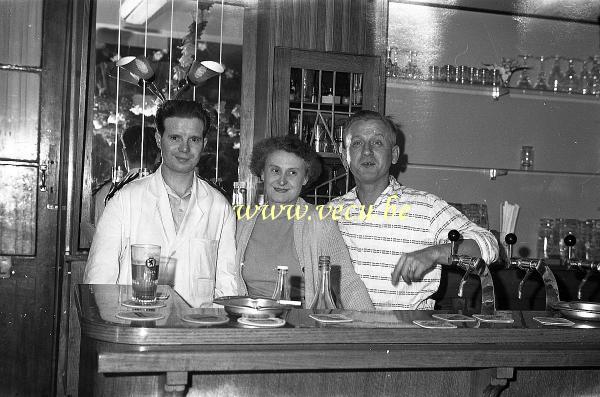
(499, 381)
(176, 384)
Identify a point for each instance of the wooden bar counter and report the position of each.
(378, 354)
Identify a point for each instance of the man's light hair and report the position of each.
(366, 115)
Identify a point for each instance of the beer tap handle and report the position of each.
(510, 239)
(462, 283)
(585, 279)
(570, 242)
(520, 291)
(453, 236)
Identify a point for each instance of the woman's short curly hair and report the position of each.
(290, 144)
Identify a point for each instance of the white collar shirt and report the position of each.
(178, 204)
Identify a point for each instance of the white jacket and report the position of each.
(203, 250)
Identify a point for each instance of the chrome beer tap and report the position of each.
(476, 266)
(582, 264)
(530, 265)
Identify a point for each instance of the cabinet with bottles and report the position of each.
(314, 93)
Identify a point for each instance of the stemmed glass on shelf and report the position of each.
(595, 76)
(541, 84)
(570, 81)
(585, 78)
(524, 82)
(556, 75)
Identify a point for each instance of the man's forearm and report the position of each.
(465, 247)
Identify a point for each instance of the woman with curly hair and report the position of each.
(289, 231)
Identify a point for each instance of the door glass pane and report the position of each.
(19, 107)
(18, 202)
(21, 22)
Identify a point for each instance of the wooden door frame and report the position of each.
(78, 105)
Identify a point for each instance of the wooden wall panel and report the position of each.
(323, 25)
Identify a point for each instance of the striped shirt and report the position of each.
(402, 220)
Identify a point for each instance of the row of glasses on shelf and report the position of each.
(580, 76)
(550, 242)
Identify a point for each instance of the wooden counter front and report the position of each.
(379, 353)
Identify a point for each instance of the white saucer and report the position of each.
(139, 316)
(137, 305)
(269, 322)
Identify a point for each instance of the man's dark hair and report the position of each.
(183, 109)
(132, 142)
(290, 144)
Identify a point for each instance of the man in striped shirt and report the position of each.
(397, 236)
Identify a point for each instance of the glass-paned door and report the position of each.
(33, 40)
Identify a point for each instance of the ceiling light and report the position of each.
(136, 12)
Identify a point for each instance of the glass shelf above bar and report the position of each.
(324, 107)
(486, 90)
(499, 171)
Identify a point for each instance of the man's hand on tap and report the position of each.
(412, 266)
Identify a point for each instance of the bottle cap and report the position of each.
(282, 268)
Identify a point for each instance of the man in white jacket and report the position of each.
(191, 221)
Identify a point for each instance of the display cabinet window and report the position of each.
(314, 93)
(320, 102)
(170, 35)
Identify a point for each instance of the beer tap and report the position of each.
(531, 265)
(588, 266)
(476, 266)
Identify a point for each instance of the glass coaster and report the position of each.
(139, 316)
(494, 318)
(205, 319)
(269, 322)
(138, 305)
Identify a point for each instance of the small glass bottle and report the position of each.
(389, 64)
(527, 158)
(318, 139)
(144, 172)
(323, 298)
(357, 89)
(239, 193)
(585, 231)
(282, 289)
(292, 90)
(118, 175)
(260, 192)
